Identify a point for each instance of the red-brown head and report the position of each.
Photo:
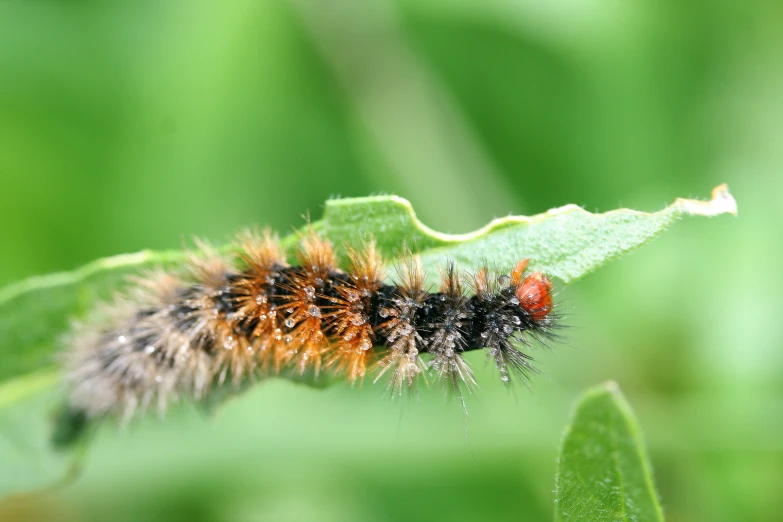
(534, 292)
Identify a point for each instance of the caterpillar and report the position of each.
(231, 318)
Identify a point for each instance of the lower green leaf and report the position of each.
(604, 473)
(29, 459)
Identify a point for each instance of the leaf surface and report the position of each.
(566, 243)
(28, 460)
(603, 472)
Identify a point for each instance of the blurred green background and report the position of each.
(130, 125)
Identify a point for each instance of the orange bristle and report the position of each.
(517, 272)
(350, 315)
(232, 351)
(303, 318)
(261, 256)
(481, 283)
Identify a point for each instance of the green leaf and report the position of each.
(566, 243)
(36, 311)
(27, 457)
(604, 473)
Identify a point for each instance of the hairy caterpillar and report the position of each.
(173, 336)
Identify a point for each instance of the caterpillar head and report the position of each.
(533, 292)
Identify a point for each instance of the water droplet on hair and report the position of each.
(383, 312)
(508, 329)
(289, 323)
(309, 292)
(149, 349)
(484, 335)
(357, 320)
(314, 311)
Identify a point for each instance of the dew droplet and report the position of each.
(383, 312)
(508, 329)
(314, 311)
(289, 323)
